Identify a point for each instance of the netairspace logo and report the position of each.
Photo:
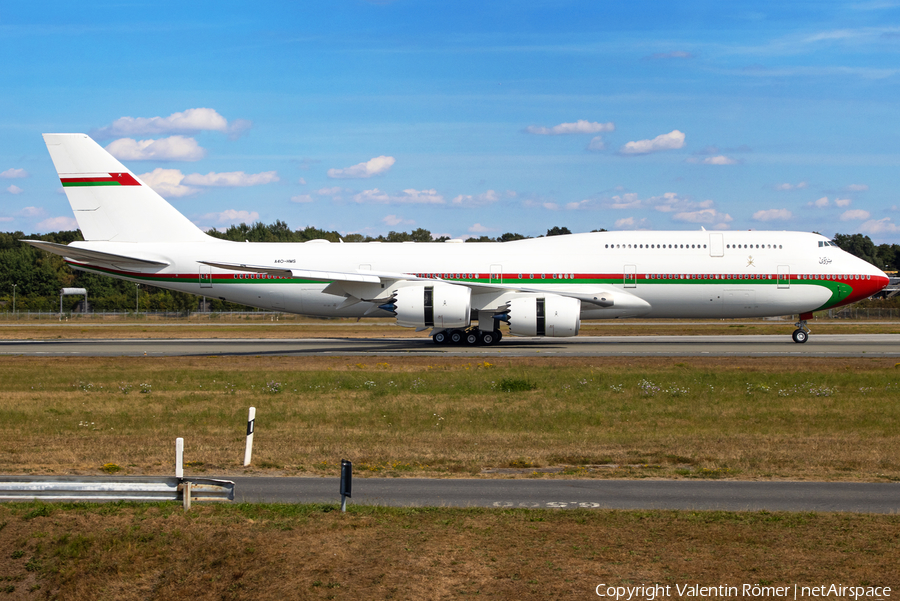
(649, 592)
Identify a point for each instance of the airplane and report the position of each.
(462, 293)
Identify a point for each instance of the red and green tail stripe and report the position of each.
(109, 179)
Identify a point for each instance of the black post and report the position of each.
(346, 482)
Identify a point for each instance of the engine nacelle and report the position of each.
(438, 305)
(547, 315)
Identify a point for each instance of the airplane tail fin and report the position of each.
(109, 201)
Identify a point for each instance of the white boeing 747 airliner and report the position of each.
(539, 287)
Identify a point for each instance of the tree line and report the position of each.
(37, 277)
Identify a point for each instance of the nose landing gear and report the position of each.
(801, 334)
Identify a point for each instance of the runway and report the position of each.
(822, 345)
(580, 494)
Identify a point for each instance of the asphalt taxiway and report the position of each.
(821, 345)
(580, 494)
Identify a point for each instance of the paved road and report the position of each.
(821, 345)
(570, 494)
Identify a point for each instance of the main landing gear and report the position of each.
(469, 337)
(801, 334)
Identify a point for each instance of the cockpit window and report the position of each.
(826, 243)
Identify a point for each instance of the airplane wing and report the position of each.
(309, 274)
(93, 257)
(344, 283)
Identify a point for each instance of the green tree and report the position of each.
(859, 246)
(558, 231)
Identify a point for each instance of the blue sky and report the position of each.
(466, 118)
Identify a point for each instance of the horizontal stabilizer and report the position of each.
(93, 257)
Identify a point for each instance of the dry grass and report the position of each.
(578, 417)
(312, 552)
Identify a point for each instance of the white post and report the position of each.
(179, 458)
(250, 423)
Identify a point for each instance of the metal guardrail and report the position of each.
(111, 488)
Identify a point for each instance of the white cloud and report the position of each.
(670, 202)
(854, 215)
(581, 204)
(14, 173)
(820, 203)
(231, 179)
(232, 216)
(394, 220)
(479, 229)
(670, 141)
(336, 193)
(5, 219)
(31, 212)
(719, 160)
(799, 186)
(370, 168)
(772, 215)
(408, 196)
(479, 200)
(630, 223)
(302, 198)
(550, 206)
(189, 121)
(14, 190)
(302, 181)
(58, 224)
(174, 148)
(167, 183)
(857, 188)
(579, 127)
(879, 226)
(173, 183)
(597, 143)
(842, 202)
(703, 216)
(628, 200)
(677, 54)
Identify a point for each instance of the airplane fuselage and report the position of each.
(679, 274)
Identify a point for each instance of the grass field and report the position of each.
(831, 419)
(550, 418)
(123, 551)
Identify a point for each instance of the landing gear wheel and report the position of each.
(489, 338)
(800, 336)
(441, 337)
(456, 336)
(472, 338)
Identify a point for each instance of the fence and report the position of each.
(108, 488)
(861, 313)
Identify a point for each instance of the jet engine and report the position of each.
(438, 305)
(549, 315)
